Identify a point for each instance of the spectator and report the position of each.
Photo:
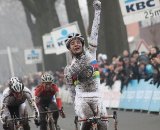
(125, 53)
(135, 54)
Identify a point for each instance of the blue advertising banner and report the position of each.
(148, 92)
(140, 96)
(128, 95)
(155, 101)
(123, 103)
(132, 89)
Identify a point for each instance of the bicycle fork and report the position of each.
(76, 122)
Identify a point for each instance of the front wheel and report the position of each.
(25, 127)
(21, 128)
(51, 125)
(94, 127)
(11, 126)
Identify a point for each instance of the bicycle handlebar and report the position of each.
(102, 118)
(20, 118)
(90, 119)
(95, 119)
(45, 112)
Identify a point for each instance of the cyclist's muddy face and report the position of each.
(76, 47)
(47, 85)
(18, 95)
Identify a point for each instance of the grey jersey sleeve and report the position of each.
(93, 40)
(69, 82)
(68, 76)
(4, 102)
(30, 99)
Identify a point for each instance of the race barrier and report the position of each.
(155, 101)
(111, 95)
(65, 95)
(138, 95)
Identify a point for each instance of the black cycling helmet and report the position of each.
(71, 37)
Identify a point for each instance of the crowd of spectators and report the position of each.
(129, 66)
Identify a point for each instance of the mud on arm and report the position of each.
(93, 40)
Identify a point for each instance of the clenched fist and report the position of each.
(97, 4)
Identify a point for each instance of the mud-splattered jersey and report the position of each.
(44, 95)
(82, 74)
(10, 100)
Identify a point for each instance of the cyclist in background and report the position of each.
(82, 76)
(13, 103)
(44, 94)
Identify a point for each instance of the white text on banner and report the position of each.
(48, 44)
(33, 56)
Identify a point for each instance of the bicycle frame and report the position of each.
(50, 121)
(94, 120)
(51, 125)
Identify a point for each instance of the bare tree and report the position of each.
(42, 18)
(74, 14)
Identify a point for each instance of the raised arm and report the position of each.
(93, 40)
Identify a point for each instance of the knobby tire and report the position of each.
(52, 125)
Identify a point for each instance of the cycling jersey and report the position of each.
(45, 97)
(83, 72)
(10, 101)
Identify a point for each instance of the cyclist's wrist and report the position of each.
(60, 109)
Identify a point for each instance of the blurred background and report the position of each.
(128, 52)
(23, 23)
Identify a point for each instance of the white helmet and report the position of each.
(47, 78)
(16, 85)
(13, 80)
(71, 37)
